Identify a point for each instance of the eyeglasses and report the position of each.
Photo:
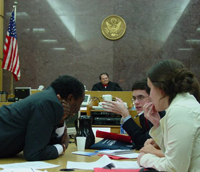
(139, 98)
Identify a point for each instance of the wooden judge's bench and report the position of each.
(108, 120)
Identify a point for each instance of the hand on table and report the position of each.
(65, 140)
(139, 158)
(148, 149)
(152, 150)
(152, 142)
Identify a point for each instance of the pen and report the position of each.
(65, 169)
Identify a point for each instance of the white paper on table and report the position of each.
(33, 165)
(102, 162)
(20, 170)
(116, 152)
(121, 153)
(84, 153)
(106, 129)
(131, 155)
(126, 164)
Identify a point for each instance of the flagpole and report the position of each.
(11, 56)
(11, 82)
(1, 40)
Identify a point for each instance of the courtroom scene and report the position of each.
(99, 86)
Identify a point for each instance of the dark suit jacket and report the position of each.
(139, 135)
(29, 125)
(112, 86)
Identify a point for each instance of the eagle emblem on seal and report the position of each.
(113, 27)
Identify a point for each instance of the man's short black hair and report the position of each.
(65, 85)
(103, 74)
(141, 85)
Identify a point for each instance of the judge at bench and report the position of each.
(35, 125)
(105, 84)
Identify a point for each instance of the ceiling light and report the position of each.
(38, 30)
(193, 41)
(185, 49)
(49, 40)
(59, 49)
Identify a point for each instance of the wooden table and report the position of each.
(62, 160)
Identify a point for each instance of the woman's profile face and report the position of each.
(156, 96)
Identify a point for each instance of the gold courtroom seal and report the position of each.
(113, 27)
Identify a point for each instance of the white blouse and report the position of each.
(178, 137)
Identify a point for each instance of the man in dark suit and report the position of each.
(105, 84)
(138, 134)
(35, 125)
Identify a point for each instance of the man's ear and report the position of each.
(69, 97)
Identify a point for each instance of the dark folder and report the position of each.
(112, 144)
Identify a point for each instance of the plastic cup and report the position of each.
(80, 143)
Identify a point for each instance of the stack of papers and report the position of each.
(102, 163)
(29, 165)
(116, 152)
(20, 170)
(115, 170)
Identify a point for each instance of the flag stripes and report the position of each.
(11, 56)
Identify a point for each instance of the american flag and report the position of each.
(11, 56)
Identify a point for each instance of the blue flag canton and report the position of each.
(12, 26)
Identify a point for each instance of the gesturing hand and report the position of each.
(117, 107)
